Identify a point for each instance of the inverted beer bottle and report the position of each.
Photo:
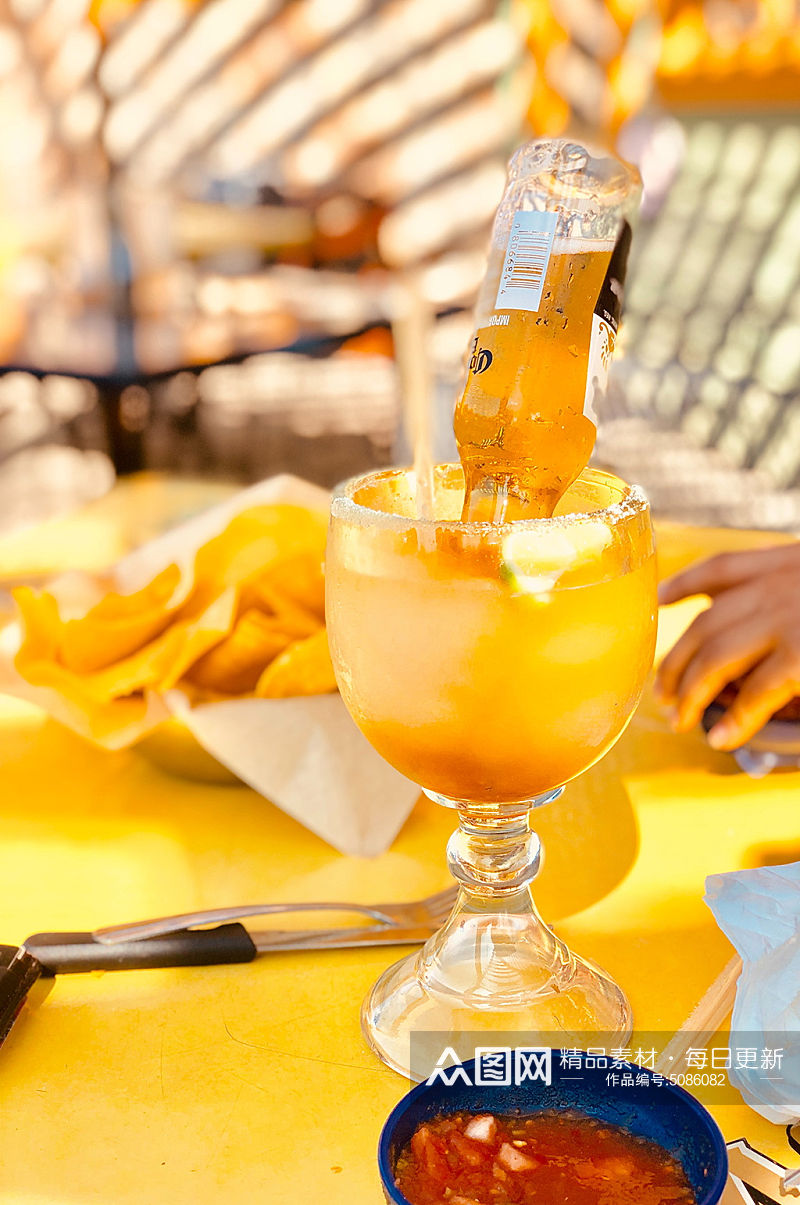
(546, 319)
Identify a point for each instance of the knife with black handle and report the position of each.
(68, 953)
(19, 970)
(45, 955)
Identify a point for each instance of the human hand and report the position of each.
(751, 630)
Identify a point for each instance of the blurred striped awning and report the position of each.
(408, 105)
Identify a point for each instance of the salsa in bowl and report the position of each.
(574, 1141)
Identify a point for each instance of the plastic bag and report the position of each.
(759, 912)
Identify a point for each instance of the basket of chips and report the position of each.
(207, 648)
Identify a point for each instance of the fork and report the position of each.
(431, 911)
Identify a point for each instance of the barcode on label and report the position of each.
(527, 256)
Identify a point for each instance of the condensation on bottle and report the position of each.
(546, 322)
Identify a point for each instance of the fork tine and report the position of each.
(441, 903)
(446, 894)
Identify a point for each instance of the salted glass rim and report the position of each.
(633, 502)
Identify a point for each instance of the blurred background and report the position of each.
(205, 208)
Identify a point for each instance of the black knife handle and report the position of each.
(18, 975)
(65, 953)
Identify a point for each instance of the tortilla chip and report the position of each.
(252, 542)
(296, 582)
(235, 665)
(199, 636)
(156, 666)
(296, 622)
(255, 594)
(118, 625)
(304, 668)
(41, 624)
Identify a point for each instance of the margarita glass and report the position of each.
(490, 663)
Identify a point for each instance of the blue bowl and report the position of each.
(661, 1112)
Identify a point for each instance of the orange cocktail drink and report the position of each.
(490, 662)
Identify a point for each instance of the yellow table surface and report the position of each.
(252, 1083)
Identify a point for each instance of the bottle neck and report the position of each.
(501, 497)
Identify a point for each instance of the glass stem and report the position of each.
(493, 853)
(494, 944)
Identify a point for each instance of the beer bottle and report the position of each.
(546, 319)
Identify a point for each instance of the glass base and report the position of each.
(494, 974)
(483, 978)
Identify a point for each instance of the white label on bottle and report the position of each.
(530, 245)
(601, 349)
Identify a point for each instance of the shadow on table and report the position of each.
(780, 853)
(590, 839)
(650, 746)
(92, 837)
(664, 967)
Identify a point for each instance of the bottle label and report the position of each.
(605, 323)
(609, 302)
(530, 245)
(601, 349)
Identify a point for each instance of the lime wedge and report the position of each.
(533, 559)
